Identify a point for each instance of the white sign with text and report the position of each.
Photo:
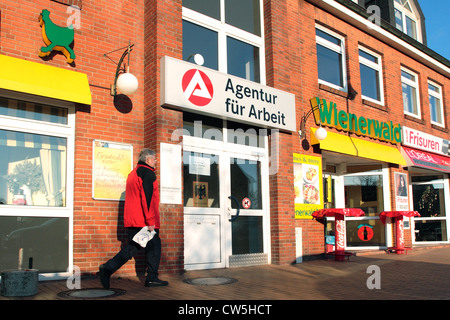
(201, 90)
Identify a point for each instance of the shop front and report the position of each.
(227, 125)
(429, 165)
(37, 116)
(352, 182)
(357, 172)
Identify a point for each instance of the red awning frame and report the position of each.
(331, 212)
(395, 214)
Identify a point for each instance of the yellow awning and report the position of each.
(43, 80)
(359, 148)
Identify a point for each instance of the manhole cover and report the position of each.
(93, 293)
(213, 281)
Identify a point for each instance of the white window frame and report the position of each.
(338, 49)
(340, 202)
(415, 85)
(438, 96)
(377, 67)
(410, 14)
(57, 130)
(442, 179)
(224, 30)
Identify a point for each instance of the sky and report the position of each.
(437, 22)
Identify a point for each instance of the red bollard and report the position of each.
(400, 234)
(339, 237)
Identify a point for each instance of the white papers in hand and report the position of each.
(144, 236)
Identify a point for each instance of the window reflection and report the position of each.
(430, 230)
(246, 181)
(429, 200)
(211, 8)
(211, 38)
(45, 240)
(365, 192)
(330, 58)
(200, 40)
(32, 169)
(243, 60)
(244, 14)
(247, 235)
(32, 111)
(201, 180)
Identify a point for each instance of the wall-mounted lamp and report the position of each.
(198, 59)
(125, 82)
(320, 133)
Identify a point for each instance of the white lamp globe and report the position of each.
(198, 59)
(321, 133)
(127, 83)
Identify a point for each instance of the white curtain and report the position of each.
(53, 170)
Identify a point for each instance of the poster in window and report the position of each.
(112, 162)
(171, 174)
(307, 185)
(401, 191)
(200, 196)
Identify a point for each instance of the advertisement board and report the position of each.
(112, 162)
(308, 185)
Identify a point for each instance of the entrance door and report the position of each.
(225, 208)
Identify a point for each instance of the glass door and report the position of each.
(224, 223)
(247, 222)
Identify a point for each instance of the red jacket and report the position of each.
(141, 198)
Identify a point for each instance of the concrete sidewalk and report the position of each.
(422, 274)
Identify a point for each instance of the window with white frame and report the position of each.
(436, 107)
(228, 34)
(36, 174)
(33, 163)
(371, 75)
(406, 20)
(410, 93)
(331, 58)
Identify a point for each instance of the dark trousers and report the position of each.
(152, 254)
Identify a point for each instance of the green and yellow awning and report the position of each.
(359, 148)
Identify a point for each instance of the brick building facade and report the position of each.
(289, 42)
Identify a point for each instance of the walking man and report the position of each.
(141, 209)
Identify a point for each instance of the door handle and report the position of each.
(237, 210)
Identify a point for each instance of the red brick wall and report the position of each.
(105, 26)
(155, 27)
(163, 30)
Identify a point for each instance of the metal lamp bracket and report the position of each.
(302, 131)
(120, 68)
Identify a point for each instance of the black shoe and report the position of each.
(156, 283)
(105, 275)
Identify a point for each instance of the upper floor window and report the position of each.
(371, 75)
(405, 19)
(331, 58)
(228, 34)
(436, 107)
(410, 92)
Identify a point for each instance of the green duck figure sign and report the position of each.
(56, 38)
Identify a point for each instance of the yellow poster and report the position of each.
(112, 164)
(308, 187)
